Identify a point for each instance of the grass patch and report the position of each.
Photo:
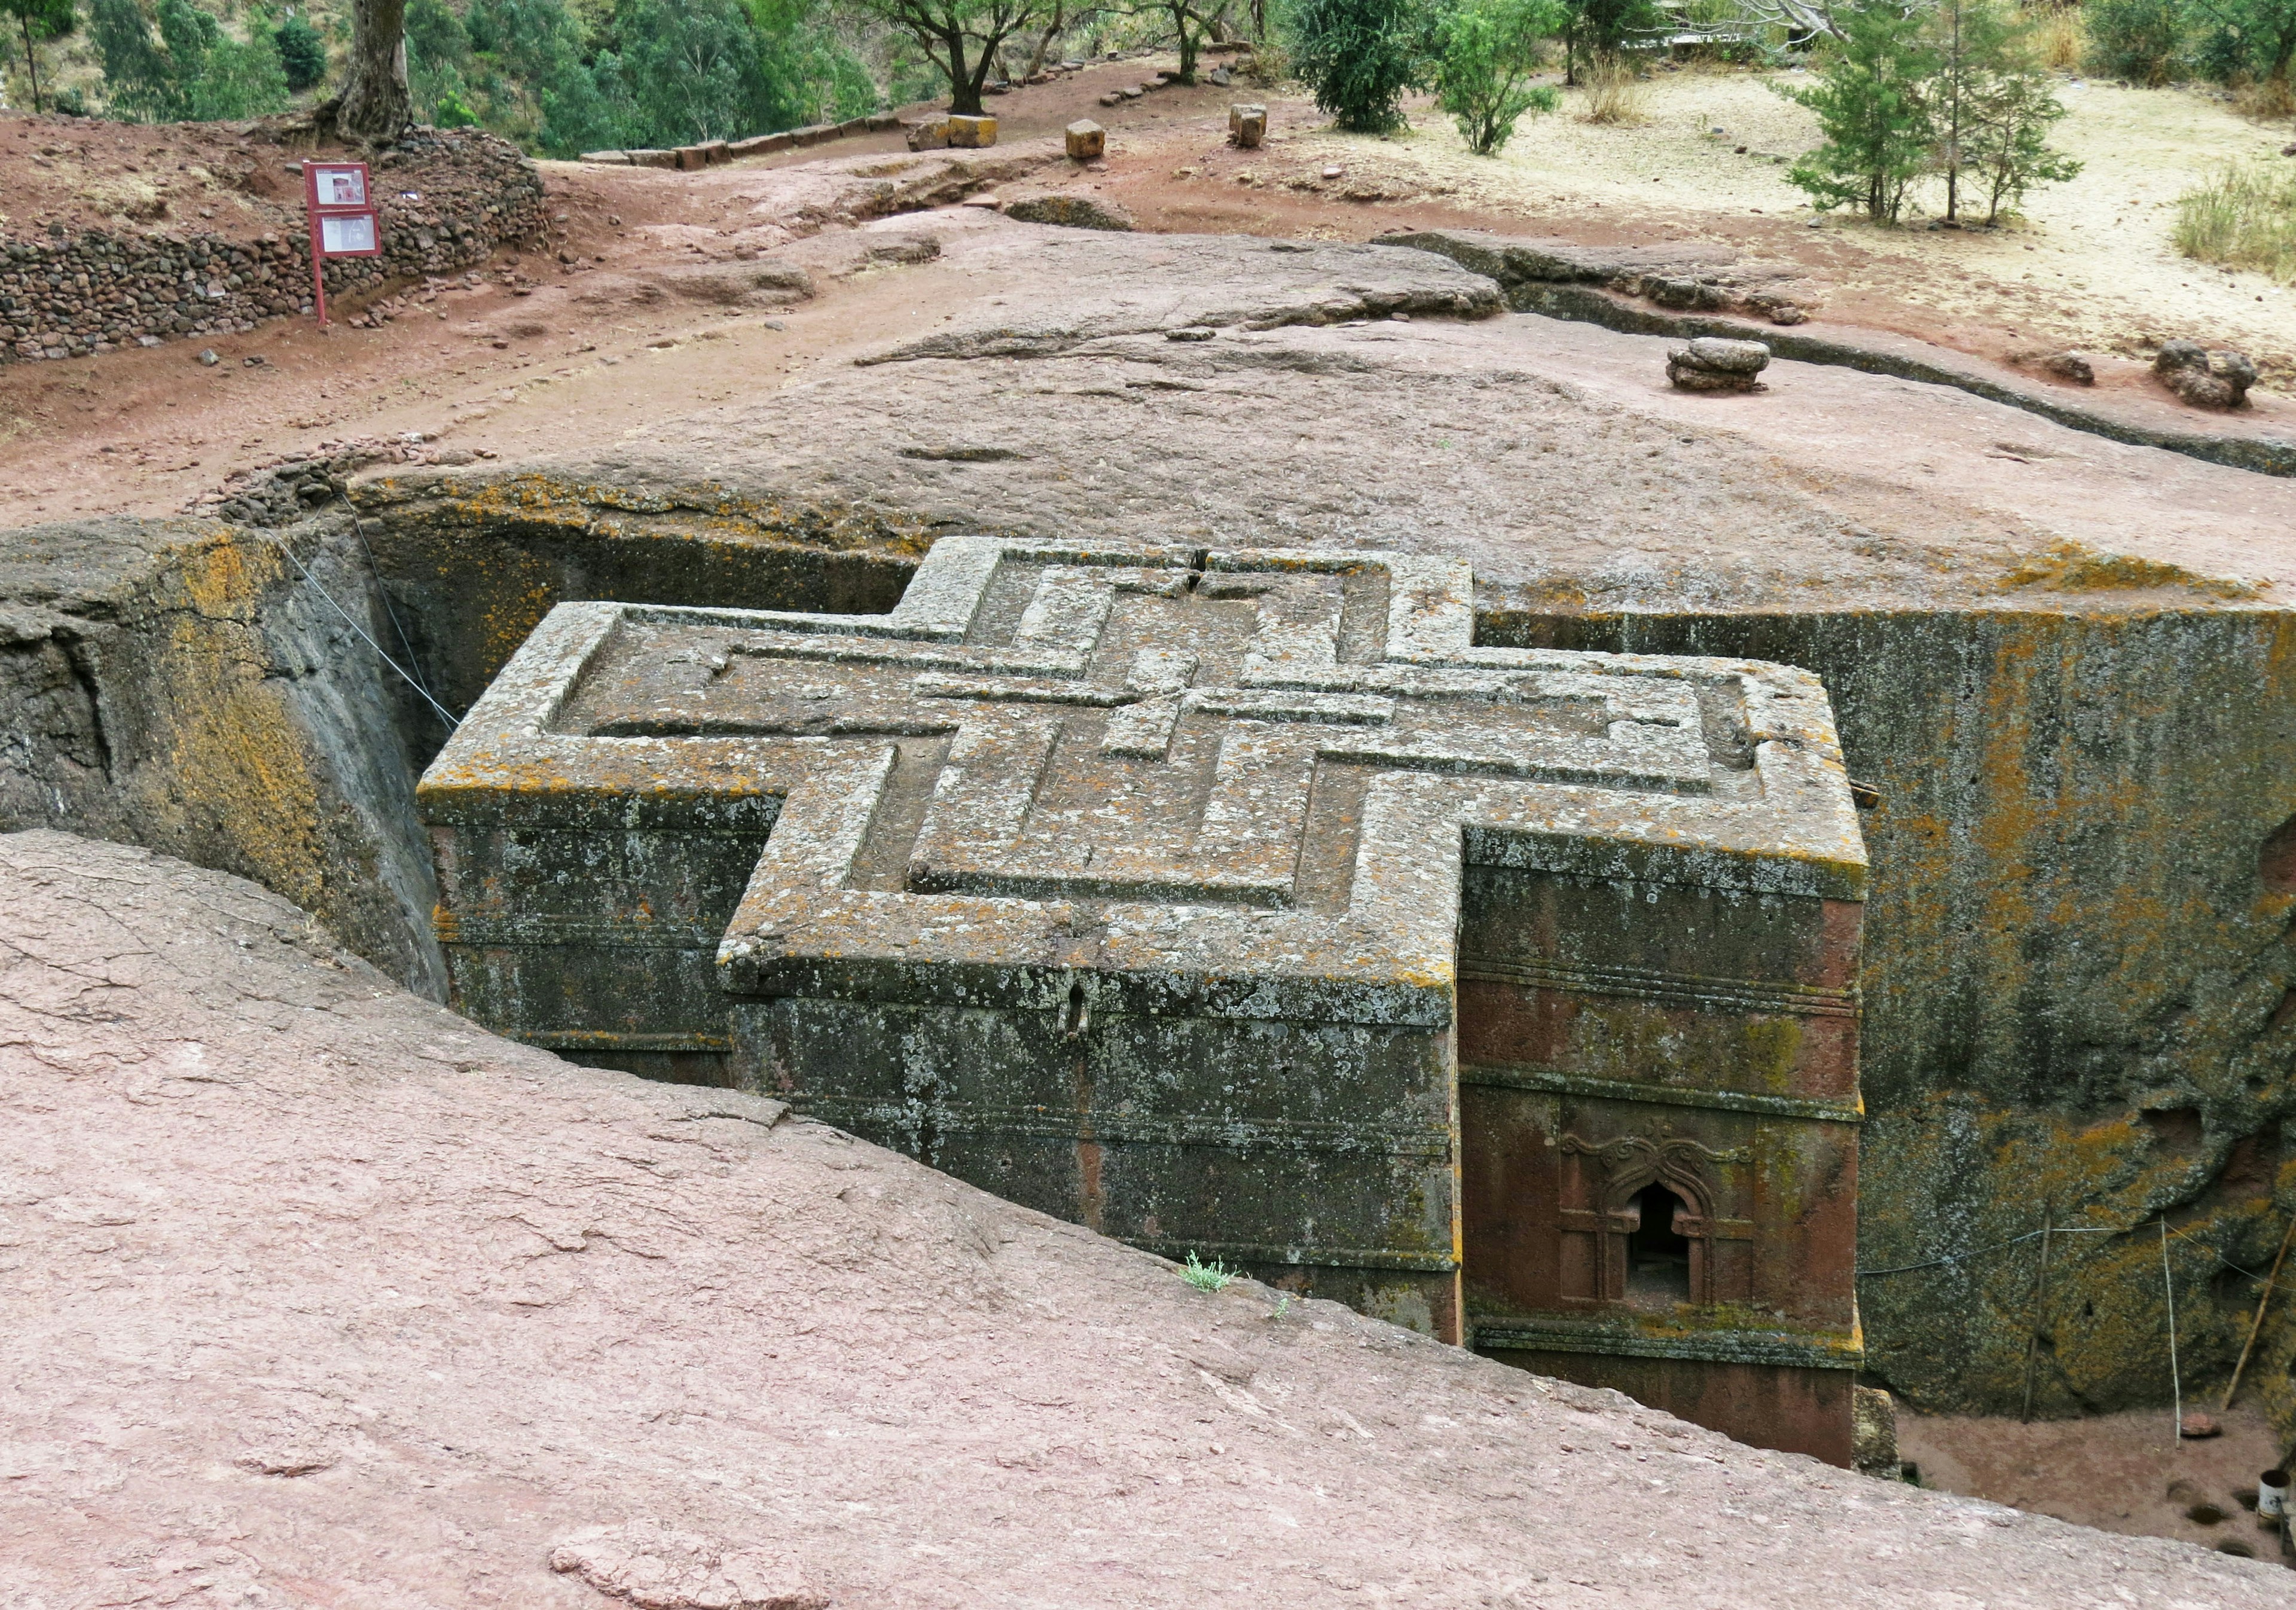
(1207, 1277)
(1614, 89)
(2245, 218)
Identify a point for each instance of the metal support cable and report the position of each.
(451, 720)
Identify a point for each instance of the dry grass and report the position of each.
(2269, 101)
(2057, 33)
(2245, 218)
(1614, 90)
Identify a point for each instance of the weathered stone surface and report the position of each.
(1710, 364)
(972, 130)
(2204, 377)
(261, 1202)
(2070, 366)
(930, 133)
(655, 1567)
(1515, 259)
(1172, 840)
(1247, 125)
(1072, 211)
(1219, 282)
(1087, 141)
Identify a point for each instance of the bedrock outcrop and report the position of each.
(2059, 664)
(317, 1294)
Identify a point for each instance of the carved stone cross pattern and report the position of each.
(1126, 882)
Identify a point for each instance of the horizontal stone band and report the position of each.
(1714, 993)
(606, 1040)
(1774, 1348)
(1530, 1076)
(1312, 1257)
(1121, 1128)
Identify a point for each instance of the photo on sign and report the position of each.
(354, 233)
(342, 187)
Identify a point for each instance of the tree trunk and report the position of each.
(31, 61)
(375, 103)
(963, 86)
(1189, 41)
(1045, 41)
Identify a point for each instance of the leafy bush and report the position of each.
(1490, 48)
(2249, 44)
(302, 53)
(1871, 110)
(1358, 56)
(2245, 218)
(194, 69)
(2147, 42)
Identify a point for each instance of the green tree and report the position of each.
(696, 70)
(2143, 41)
(194, 69)
(1873, 109)
(961, 37)
(1972, 40)
(2007, 132)
(1358, 56)
(39, 20)
(1603, 28)
(1490, 49)
(2255, 36)
(302, 53)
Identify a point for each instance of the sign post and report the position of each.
(344, 223)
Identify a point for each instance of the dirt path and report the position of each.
(2118, 1472)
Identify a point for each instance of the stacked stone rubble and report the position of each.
(447, 201)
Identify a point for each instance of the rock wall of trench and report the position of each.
(2079, 970)
(218, 691)
(2077, 983)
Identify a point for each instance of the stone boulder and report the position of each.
(1071, 212)
(1087, 141)
(2205, 377)
(1710, 364)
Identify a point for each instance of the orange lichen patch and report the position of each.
(2066, 566)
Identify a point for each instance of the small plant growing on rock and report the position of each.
(1207, 1277)
(1489, 50)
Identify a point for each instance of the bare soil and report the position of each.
(148, 431)
(319, 1296)
(2126, 1472)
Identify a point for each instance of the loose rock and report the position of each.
(2205, 377)
(650, 1565)
(1087, 141)
(1247, 126)
(1710, 364)
(2070, 366)
(971, 133)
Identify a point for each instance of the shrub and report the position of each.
(1214, 1276)
(302, 53)
(1871, 110)
(1490, 48)
(1358, 56)
(2245, 218)
(2146, 42)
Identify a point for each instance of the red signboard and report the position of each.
(344, 222)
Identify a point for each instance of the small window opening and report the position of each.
(1658, 1256)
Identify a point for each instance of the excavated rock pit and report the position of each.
(2058, 663)
(320, 1296)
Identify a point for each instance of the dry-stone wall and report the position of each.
(447, 200)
